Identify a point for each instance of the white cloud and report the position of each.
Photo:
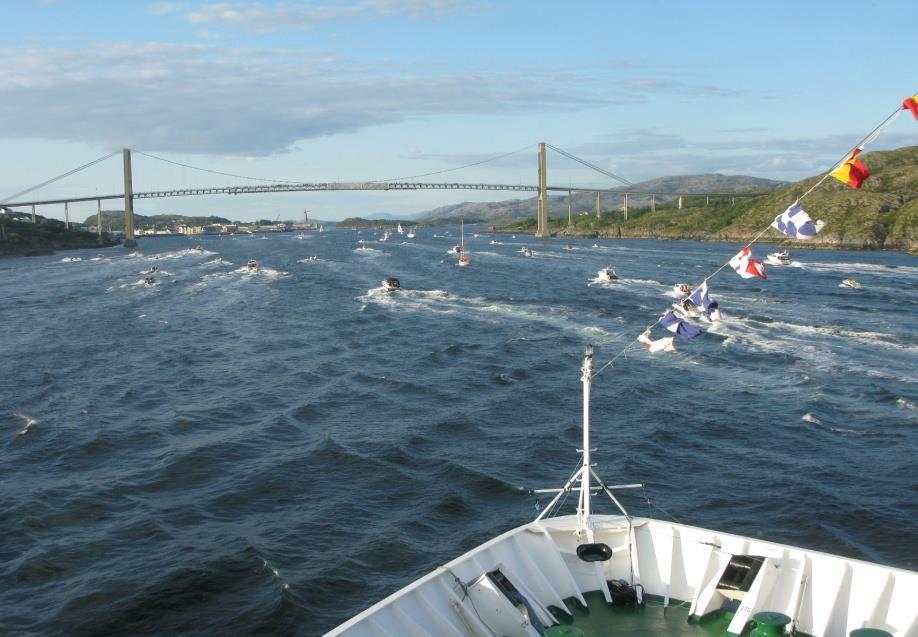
(205, 98)
(284, 16)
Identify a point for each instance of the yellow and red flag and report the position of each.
(911, 103)
(852, 171)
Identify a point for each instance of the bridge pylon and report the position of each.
(129, 241)
(542, 218)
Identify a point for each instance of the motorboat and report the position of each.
(456, 249)
(779, 258)
(607, 274)
(391, 284)
(386, 236)
(252, 265)
(525, 251)
(850, 283)
(300, 236)
(682, 289)
(595, 245)
(198, 248)
(411, 233)
(589, 573)
(568, 247)
(149, 281)
(687, 308)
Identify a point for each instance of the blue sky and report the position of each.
(353, 90)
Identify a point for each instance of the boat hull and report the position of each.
(824, 595)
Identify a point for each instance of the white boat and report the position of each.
(779, 258)
(400, 229)
(464, 257)
(391, 284)
(386, 236)
(850, 283)
(252, 265)
(589, 574)
(687, 309)
(568, 247)
(301, 236)
(411, 233)
(683, 289)
(525, 251)
(607, 274)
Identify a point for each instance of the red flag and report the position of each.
(746, 266)
(911, 103)
(852, 171)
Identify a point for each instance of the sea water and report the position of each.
(236, 452)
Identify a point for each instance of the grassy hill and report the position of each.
(22, 238)
(115, 220)
(498, 212)
(882, 214)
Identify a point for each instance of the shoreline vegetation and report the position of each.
(883, 215)
(25, 239)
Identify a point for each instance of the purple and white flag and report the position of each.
(796, 223)
(679, 327)
(702, 299)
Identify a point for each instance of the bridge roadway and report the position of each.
(384, 186)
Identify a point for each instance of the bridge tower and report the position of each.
(129, 241)
(542, 226)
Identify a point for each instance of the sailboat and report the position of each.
(400, 229)
(411, 234)
(464, 257)
(589, 574)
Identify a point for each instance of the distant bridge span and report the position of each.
(364, 186)
(542, 189)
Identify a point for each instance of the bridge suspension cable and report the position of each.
(215, 172)
(590, 165)
(440, 172)
(59, 177)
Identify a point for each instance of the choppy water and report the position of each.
(226, 453)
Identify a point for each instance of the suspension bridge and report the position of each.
(541, 188)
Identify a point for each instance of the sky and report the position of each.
(365, 90)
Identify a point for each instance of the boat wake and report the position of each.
(28, 421)
(843, 431)
(487, 310)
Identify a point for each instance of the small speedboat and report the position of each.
(778, 258)
(568, 247)
(607, 274)
(687, 308)
(252, 265)
(149, 281)
(850, 283)
(411, 234)
(525, 251)
(301, 236)
(391, 284)
(385, 236)
(683, 289)
(198, 248)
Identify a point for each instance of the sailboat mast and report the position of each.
(583, 511)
